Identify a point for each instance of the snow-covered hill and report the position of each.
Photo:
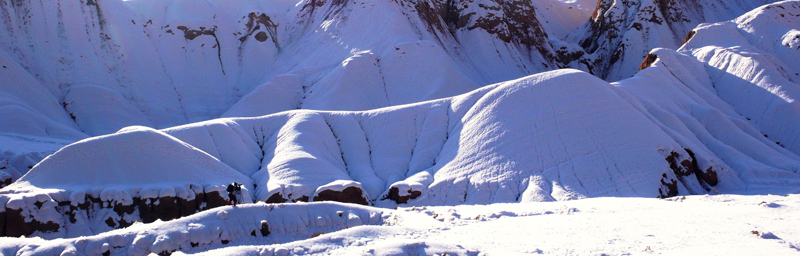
(383, 104)
(99, 66)
(103, 65)
(620, 33)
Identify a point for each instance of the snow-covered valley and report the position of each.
(496, 126)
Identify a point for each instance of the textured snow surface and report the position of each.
(707, 225)
(553, 136)
(86, 68)
(620, 33)
(153, 107)
(135, 157)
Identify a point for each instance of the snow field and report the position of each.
(224, 226)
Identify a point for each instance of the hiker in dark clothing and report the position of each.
(232, 193)
(238, 193)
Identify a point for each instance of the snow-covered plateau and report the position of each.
(400, 127)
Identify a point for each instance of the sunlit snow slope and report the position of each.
(77, 68)
(718, 115)
(620, 33)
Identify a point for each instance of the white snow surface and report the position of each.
(89, 68)
(621, 32)
(716, 118)
(707, 225)
(557, 135)
(135, 157)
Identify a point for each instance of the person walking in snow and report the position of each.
(232, 193)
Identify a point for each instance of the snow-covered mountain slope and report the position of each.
(716, 116)
(620, 33)
(558, 135)
(99, 66)
(754, 62)
(708, 225)
(165, 63)
(105, 65)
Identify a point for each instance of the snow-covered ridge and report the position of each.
(553, 136)
(103, 65)
(99, 66)
(165, 63)
(620, 33)
(716, 116)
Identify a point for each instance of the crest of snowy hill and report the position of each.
(620, 33)
(98, 66)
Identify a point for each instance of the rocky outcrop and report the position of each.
(49, 215)
(622, 32)
(684, 166)
(261, 27)
(511, 21)
(348, 195)
(648, 60)
(394, 195)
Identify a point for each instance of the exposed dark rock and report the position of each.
(512, 21)
(264, 228)
(688, 167)
(565, 56)
(167, 208)
(6, 182)
(688, 37)
(276, 198)
(111, 223)
(394, 194)
(262, 36)
(648, 61)
(3, 223)
(213, 200)
(707, 178)
(301, 199)
(191, 34)
(146, 212)
(187, 207)
(12, 222)
(263, 27)
(669, 187)
(348, 195)
(16, 226)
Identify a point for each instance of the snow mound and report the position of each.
(113, 181)
(134, 157)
